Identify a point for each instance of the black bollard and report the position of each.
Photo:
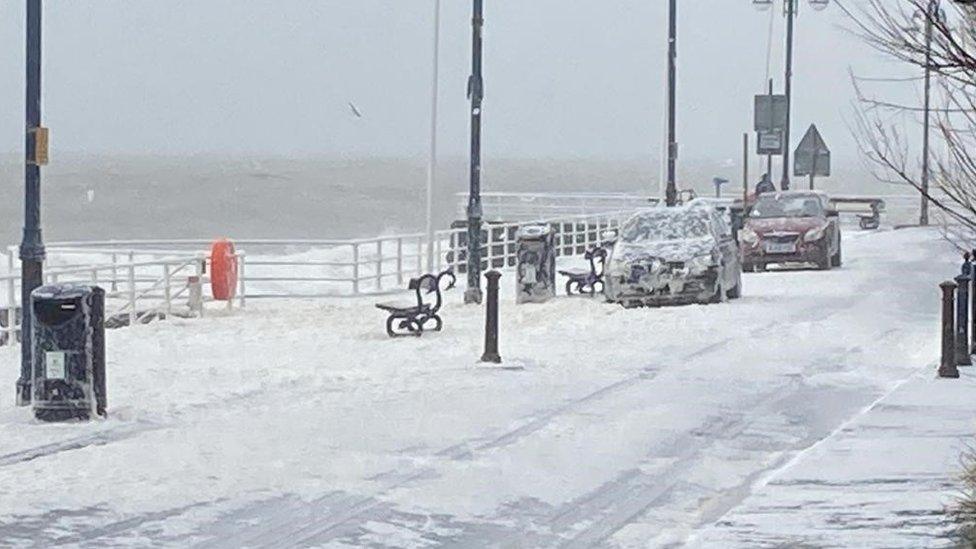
(968, 267)
(947, 367)
(962, 320)
(491, 320)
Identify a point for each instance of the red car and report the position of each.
(790, 227)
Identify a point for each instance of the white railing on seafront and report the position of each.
(139, 286)
(156, 277)
(516, 206)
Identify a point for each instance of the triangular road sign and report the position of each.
(812, 157)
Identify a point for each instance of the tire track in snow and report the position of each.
(619, 502)
(281, 528)
(287, 532)
(596, 517)
(99, 438)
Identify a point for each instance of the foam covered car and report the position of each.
(674, 256)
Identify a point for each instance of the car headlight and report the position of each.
(701, 263)
(814, 234)
(748, 236)
(618, 266)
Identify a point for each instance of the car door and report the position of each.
(833, 222)
(727, 247)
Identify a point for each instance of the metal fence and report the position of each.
(150, 279)
(140, 286)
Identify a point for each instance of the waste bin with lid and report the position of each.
(68, 353)
(536, 264)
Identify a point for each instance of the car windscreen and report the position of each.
(661, 226)
(787, 206)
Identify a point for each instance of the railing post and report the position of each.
(962, 321)
(420, 256)
(167, 296)
(490, 243)
(355, 268)
(440, 256)
(947, 365)
(133, 317)
(491, 320)
(399, 261)
(11, 283)
(115, 272)
(197, 290)
(379, 264)
(242, 287)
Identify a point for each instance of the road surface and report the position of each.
(303, 425)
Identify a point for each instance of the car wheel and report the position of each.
(736, 291)
(823, 262)
(719, 295)
(837, 259)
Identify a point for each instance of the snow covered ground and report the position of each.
(302, 424)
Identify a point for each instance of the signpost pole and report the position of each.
(790, 15)
(769, 157)
(745, 169)
(813, 170)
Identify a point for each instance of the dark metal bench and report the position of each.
(583, 281)
(408, 319)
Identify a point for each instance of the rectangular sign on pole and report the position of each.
(770, 112)
(769, 142)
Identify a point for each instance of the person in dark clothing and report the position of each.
(765, 185)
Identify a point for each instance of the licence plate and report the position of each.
(780, 247)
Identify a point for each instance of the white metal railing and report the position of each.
(313, 268)
(143, 278)
(137, 288)
(517, 206)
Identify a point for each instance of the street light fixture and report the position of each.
(790, 11)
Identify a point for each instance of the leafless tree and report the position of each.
(896, 28)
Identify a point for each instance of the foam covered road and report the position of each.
(302, 424)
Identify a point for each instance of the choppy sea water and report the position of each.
(96, 198)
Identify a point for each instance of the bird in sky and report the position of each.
(355, 111)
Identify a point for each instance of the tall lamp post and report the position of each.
(476, 93)
(432, 160)
(933, 10)
(671, 193)
(790, 11)
(32, 245)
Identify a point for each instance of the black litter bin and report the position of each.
(68, 354)
(536, 264)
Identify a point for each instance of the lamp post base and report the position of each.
(492, 358)
(23, 392)
(473, 296)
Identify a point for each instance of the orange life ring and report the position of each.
(223, 270)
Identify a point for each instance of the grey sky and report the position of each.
(563, 77)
